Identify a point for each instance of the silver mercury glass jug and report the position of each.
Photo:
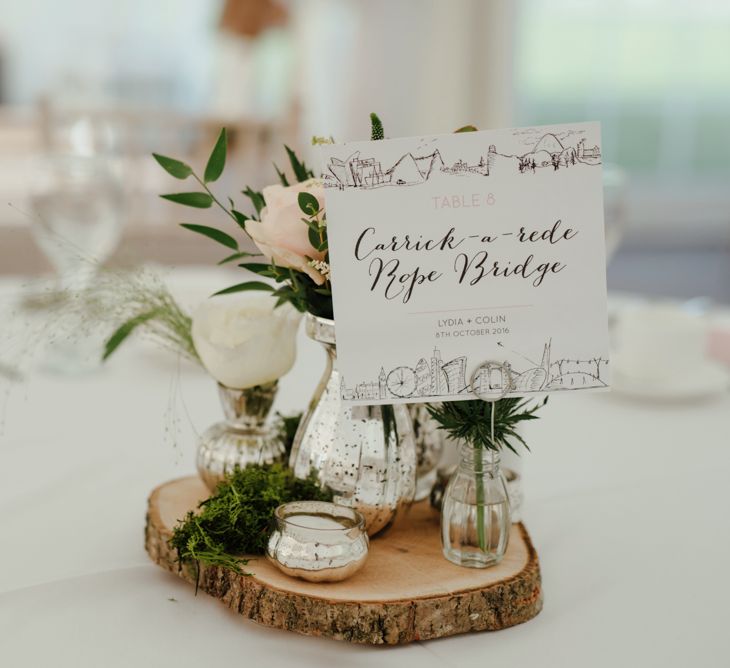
(364, 454)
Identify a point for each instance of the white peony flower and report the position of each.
(243, 340)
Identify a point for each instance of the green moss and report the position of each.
(237, 518)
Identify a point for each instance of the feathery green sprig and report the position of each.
(471, 421)
(143, 303)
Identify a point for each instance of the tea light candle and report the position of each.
(318, 541)
(315, 521)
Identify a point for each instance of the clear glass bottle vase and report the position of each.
(364, 454)
(475, 515)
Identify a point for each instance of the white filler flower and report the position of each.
(243, 340)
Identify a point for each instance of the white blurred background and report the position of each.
(114, 81)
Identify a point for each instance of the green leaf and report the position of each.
(376, 128)
(237, 256)
(173, 167)
(197, 200)
(282, 176)
(466, 128)
(124, 330)
(245, 287)
(285, 291)
(217, 160)
(299, 168)
(257, 199)
(314, 239)
(258, 267)
(308, 203)
(240, 218)
(212, 233)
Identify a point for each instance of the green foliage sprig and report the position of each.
(376, 128)
(237, 518)
(471, 421)
(205, 199)
(141, 302)
(296, 287)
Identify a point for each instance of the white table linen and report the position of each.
(627, 503)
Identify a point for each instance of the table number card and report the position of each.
(451, 250)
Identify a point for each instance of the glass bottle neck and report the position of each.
(478, 459)
(247, 408)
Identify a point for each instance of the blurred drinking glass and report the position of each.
(78, 209)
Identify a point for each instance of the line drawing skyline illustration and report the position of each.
(411, 168)
(439, 379)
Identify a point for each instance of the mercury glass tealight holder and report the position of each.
(318, 541)
(243, 438)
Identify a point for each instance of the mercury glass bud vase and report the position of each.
(429, 446)
(243, 438)
(364, 454)
(475, 515)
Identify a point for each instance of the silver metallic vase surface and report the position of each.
(243, 438)
(364, 454)
(318, 541)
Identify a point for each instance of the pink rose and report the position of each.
(281, 235)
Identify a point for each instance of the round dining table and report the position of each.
(627, 502)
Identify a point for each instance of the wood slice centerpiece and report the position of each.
(406, 591)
